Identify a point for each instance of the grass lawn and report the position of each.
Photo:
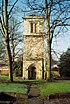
(54, 87)
(45, 88)
(11, 87)
(4, 77)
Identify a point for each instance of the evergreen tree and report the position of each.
(64, 64)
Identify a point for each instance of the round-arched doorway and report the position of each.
(31, 72)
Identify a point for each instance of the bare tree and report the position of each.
(15, 36)
(4, 22)
(15, 40)
(56, 14)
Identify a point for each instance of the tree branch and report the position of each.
(2, 28)
(12, 7)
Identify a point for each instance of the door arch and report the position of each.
(31, 72)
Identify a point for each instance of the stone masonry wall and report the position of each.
(37, 65)
(33, 45)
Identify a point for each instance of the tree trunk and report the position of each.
(7, 39)
(49, 61)
(48, 69)
(9, 60)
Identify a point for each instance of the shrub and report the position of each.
(17, 68)
(64, 64)
(55, 74)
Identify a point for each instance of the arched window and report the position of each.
(33, 27)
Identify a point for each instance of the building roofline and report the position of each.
(33, 17)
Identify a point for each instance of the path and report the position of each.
(34, 95)
(35, 98)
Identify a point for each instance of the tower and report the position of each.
(33, 55)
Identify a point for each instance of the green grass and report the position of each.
(4, 77)
(45, 88)
(11, 87)
(54, 87)
(20, 79)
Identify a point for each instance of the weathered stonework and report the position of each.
(36, 64)
(33, 47)
(33, 56)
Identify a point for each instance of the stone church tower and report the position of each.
(33, 55)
